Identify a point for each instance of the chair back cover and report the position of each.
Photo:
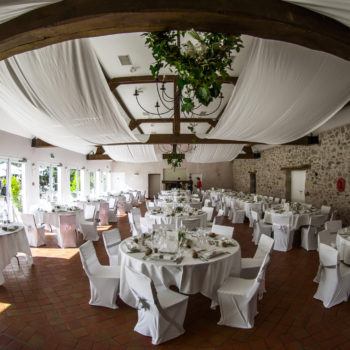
(67, 231)
(103, 213)
(255, 216)
(226, 231)
(209, 211)
(133, 228)
(89, 211)
(136, 216)
(325, 209)
(259, 278)
(35, 235)
(333, 226)
(265, 246)
(89, 258)
(191, 224)
(282, 220)
(111, 240)
(317, 220)
(112, 202)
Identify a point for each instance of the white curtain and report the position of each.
(284, 92)
(336, 9)
(132, 153)
(10, 9)
(59, 92)
(213, 153)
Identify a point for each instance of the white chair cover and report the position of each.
(113, 214)
(133, 228)
(160, 313)
(333, 278)
(89, 211)
(66, 233)
(191, 224)
(35, 235)
(111, 240)
(325, 210)
(238, 216)
(104, 280)
(226, 231)
(309, 233)
(89, 230)
(238, 300)
(333, 226)
(103, 213)
(259, 227)
(209, 211)
(283, 232)
(112, 202)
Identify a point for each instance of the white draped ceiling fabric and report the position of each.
(336, 9)
(59, 93)
(10, 9)
(213, 153)
(284, 92)
(132, 153)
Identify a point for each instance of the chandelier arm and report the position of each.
(161, 100)
(145, 110)
(164, 93)
(212, 112)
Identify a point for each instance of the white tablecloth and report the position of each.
(12, 243)
(157, 218)
(191, 276)
(52, 218)
(304, 218)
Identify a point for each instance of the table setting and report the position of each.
(193, 261)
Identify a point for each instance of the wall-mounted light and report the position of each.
(136, 174)
(60, 165)
(52, 155)
(23, 160)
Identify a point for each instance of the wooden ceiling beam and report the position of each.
(156, 139)
(98, 157)
(148, 79)
(39, 143)
(269, 19)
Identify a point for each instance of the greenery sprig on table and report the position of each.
(201, 62)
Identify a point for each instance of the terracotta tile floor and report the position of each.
(46, 307)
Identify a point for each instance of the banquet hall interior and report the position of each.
(175, 174)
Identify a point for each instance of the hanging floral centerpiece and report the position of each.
(175, 159)
(201, 62)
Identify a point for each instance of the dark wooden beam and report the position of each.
(98, 157)
(297, 167)
(177, 110)
(304, 141)
(126, 109)
(270, 19)
(38, 143)
(248, 154)
(135, 123)
(147, 79)
(156, 139)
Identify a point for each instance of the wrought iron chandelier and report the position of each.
(167, 103)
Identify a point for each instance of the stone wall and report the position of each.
(328, 161)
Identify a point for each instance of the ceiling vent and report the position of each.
(125, 60)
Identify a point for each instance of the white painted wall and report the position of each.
(17, 147)
(135, 175)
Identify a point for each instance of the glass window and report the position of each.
(92, 182)
(74, 182)
(48, 182)
(104, 182)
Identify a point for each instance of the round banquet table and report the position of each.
(191, 276)
(161, 218)
(12, 243)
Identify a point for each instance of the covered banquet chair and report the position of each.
(333, 278)
(89, 230)
(89, 212)
(259, 227)
(104, 280)
(103, 213)
(111, 240)
(309, 233)
(226, 231)
(67, 231)
(238, 298)
(283, 232)
(35, 234)
(161, 313)
(333, 225)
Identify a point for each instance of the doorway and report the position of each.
(153, 185)
(252, 181)
(298, 178)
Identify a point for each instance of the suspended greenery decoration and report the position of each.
(175, 159)
(201, 62)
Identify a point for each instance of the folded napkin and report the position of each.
(212, 254)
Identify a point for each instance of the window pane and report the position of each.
(74, 177)
(16, 184)
(44, 181)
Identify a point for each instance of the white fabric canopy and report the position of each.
(213, 153)
(59, 93)
(132, 153)
(10, 9)
(336, 9)
(284, 92)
